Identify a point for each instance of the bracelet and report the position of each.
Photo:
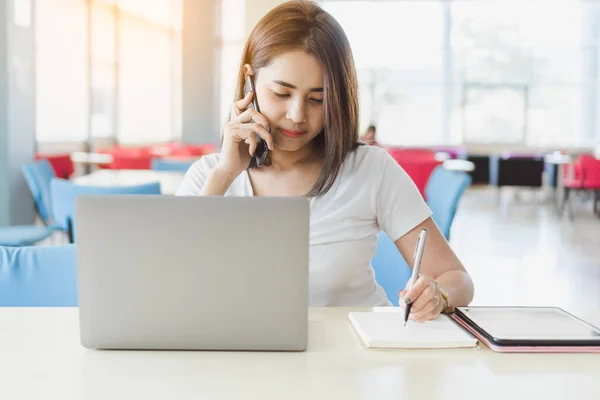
(448, 306)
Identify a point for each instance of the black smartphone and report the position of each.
(261, 149)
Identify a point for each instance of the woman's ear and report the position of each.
(248, 70)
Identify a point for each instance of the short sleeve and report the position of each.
(196, 176)
(400, 206)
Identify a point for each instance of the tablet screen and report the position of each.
(530, 323)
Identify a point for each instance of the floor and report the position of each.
(520, 253)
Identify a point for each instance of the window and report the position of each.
(103, 111)
(231, 46)
(498, 71)
(124, 83)
(61, 70)
(145, 96)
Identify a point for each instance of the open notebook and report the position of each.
(387, 330)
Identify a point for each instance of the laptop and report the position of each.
(192, 273)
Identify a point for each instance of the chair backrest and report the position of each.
(590, 170)
(38, 175)
(126, 161)
(161, 164)
(61, 164)
(38, 276)
(516, 170)
(444, 190)
(391, 270)
(64, 193)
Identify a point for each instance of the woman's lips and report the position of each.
(291, 134)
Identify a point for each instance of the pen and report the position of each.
(418, 256)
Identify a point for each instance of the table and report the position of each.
(459, 165)
(442, 156)
(89, 160)
(80, 157)
(560, 160)
(42, 358)
(169, 180)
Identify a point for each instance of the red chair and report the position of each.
(418, 164)
(195, 150)
(61, 164)
(129, 158)
(582, 174)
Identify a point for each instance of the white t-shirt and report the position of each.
(371, 193)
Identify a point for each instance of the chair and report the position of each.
(581, 175)
(61, 164)
(481, 173)
(162, 164)
(64, 193)
(417, 163)
(38, 276)
(391, 270)
(129, 158)
(516, 170)
(444, 190)
(37, 175)
(24, 235)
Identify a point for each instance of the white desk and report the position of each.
(169, 181)
(80, 157)
(40, 357)
(459, 165)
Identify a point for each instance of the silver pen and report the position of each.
(418, 256)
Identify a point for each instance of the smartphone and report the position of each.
(261, 149)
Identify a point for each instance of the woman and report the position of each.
(305, 83)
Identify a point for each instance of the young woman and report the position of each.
(306, 87)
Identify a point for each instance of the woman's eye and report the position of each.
(282, 95)
(318, 101)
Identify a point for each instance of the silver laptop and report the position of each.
(192, 273)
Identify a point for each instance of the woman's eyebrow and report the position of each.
(286, 84)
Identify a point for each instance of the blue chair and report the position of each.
(24, 235)
(64, 193)
(391, 270)
(38, 276)
(160, 164)
(38, 175)
(443, 191)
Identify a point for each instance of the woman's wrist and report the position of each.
(448, 308)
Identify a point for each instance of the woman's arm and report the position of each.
(217, 183)
(441, 270)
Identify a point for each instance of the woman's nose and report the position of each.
(297, 111)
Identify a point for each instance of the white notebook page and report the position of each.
(387, 330)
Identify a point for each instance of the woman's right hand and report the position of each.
(239, 142)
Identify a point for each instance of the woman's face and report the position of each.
(290, 94)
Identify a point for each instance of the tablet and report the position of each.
(528, 328)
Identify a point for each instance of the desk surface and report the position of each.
(169, 180)
(80, 157)
(40, 356)
(459, 165)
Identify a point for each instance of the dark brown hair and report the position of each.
(303, 25)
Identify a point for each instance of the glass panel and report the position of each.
(103, 29)
(61, 70)
(494, 114)
(145, 97)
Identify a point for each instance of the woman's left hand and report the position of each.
(426, 298)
